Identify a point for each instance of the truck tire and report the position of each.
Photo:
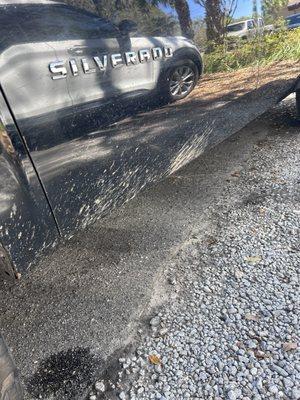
(180, 80)
(298, 102)
(10, 387)
(7, 271)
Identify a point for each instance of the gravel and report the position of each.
(232, 330)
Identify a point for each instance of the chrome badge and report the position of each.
(100, 63)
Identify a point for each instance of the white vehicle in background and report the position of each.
(248, 28)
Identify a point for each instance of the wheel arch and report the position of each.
(187, 53)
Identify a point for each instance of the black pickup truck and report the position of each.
(91, 112)
(66, 77)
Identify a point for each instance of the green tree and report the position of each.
(87, 5)
(148, 8)
(151, 20)
(199, 27)
(184, 15)
(218, 14)
(272, 10)
(181, 6)
(154, 22)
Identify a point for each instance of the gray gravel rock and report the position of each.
(155, 322)
(100, 386)
(296, 393)
(239, 300)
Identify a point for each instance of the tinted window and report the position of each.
(235, 27)
(250, 24)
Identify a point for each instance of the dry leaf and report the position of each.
(260, 354)
(288, 346)
(285, 279)
(18, 276)
(278, 180)
(252, 317)
(210, 241)
(253, 259)
(257, 338)
(155, 360)
(261, 143)
(262, 211)
(238, 274)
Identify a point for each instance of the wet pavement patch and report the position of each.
(61, 375)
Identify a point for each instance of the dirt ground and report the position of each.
(86, 300)
(218, 86)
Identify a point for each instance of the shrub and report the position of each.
(262, 50)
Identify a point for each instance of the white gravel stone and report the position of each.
(209, 349)
(296, 393)
(273, 389)
(155, 322)
(100, 386)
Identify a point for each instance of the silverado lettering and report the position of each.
(59, 70)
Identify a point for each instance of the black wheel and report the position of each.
(181, 80)
(10, 387)
(298, 102)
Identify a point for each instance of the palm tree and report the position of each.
(101, 7)
(183, 11)
(108, 9)
(181, 6)
(218, 14)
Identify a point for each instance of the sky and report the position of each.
(244, 8)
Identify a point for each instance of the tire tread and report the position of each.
(10, 387)
(298, 102)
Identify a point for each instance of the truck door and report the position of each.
(62, 70)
